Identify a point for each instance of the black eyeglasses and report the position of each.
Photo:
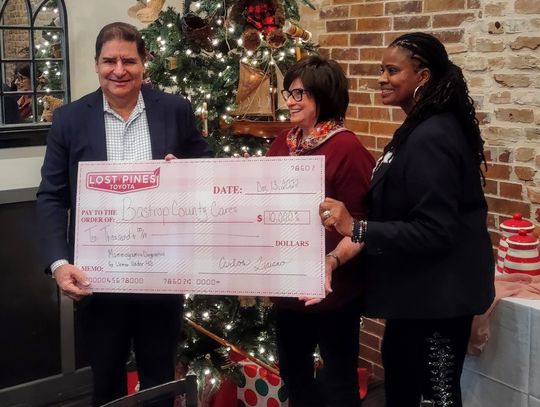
(19, 77)
(297, 94)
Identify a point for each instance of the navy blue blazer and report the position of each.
(428, 253)
(78, 134)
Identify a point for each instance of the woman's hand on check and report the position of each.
(329, 266)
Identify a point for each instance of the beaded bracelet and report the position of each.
(334, 256)
(355, 232)
(359, 229)
(363, 230)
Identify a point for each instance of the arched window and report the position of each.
(34, 68)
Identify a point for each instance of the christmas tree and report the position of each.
(198, 53)
(49, 47)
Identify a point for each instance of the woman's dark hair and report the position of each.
(326, 82)
(120, 31)
(446, 91)
(22, 68)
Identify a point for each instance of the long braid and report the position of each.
(446, 91)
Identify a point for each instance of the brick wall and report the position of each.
(497, 44)
(17, 42)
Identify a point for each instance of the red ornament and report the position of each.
(264, 18)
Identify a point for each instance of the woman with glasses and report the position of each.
(23, 83)
(316, 92)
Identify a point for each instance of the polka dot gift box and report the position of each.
(259, 388)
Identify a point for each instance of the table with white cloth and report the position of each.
(507, 372)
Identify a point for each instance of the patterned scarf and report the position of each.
(298, 144)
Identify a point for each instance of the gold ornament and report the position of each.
(204, 117)
(171, 63)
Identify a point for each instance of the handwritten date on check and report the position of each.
(222, 226)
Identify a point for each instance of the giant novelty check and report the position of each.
(202, 226)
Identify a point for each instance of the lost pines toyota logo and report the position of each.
(123, 182)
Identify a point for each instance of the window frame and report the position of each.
(35, 134)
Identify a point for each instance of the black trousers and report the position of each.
(337, 334)
(423, 359)
(111, 323)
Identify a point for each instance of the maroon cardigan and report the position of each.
(348, 173)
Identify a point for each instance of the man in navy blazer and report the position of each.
(123, 120)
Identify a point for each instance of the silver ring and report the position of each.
(326, 214)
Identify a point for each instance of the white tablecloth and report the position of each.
(507, 372)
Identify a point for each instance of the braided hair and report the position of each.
(446, 91)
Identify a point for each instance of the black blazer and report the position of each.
(428, 253)
(78, 134)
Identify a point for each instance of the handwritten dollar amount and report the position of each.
(284, 217)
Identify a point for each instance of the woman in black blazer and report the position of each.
(427, 259)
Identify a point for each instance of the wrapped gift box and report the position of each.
(258, 387)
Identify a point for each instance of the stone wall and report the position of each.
(496, 42)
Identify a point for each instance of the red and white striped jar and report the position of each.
(522, 255)
(510, 227)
